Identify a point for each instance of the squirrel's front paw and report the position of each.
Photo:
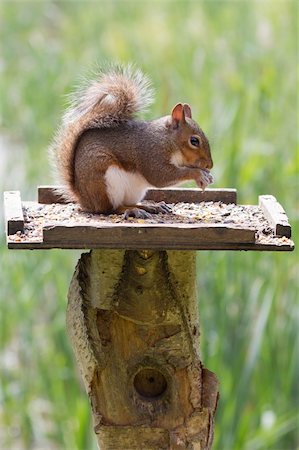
(204, 178)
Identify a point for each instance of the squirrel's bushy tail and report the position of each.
(113, 96)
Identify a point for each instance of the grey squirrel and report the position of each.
(107, 159)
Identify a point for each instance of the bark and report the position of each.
(133, 321)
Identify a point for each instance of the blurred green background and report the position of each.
(236, 64)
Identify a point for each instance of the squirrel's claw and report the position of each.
(204, 179)
(137, 213)
(145, 210)
(164, 207)
(155, 207)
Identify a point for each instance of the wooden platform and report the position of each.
(51, 223)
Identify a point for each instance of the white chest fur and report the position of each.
(124, 188)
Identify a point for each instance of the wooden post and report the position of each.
(133, 321)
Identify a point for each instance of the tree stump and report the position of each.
(133, 321)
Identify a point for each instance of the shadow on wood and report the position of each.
(133, 321)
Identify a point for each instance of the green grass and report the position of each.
(236, 64)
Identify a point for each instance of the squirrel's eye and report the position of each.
(194, 141)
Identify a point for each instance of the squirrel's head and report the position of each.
(193, 145)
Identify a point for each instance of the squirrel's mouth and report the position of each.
(196, 166)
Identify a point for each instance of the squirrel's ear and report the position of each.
(187, 111)
(177, 115)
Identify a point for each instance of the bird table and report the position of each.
(132, 313)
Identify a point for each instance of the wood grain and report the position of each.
(13, 212)
(272, 244)
(275, 214)
(51, 194)
(190, 195)
(136, 236)
(138, 350)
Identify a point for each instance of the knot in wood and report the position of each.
(150, 383)
(146, 254)
(140, 270)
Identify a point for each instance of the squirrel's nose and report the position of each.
(207, 164)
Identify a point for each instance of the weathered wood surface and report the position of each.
(276, 215)
(133, 321)
(133, 236)
(190, 195)
(13, 212)
(272, 244)
(179, 236)
(51, 194)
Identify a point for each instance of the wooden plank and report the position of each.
(190, 195)
(275, 244)
(50, 194)
(13, 212)
(276, 215)
(170, 236)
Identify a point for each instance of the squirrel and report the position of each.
(106, 158)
